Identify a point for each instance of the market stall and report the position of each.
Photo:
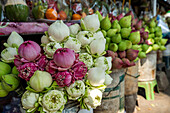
(61, 56)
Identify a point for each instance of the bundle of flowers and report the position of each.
(70, 66)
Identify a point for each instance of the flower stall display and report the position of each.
(67, 66)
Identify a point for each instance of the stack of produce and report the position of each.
(155, 40)
(70, 66)
(121, 39)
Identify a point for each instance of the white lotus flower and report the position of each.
(87, 59)
(73, 43)
(98, 35)
(85, 37)
(101, 62)
(94, 98)
(74, 29)
(44, 40)
(91, 23)
(29, 99)
(76, 90)
(108, 79)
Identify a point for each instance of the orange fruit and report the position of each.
(51, 14)
(62, 15)
(76, 17)
(83, 15)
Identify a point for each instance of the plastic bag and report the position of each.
(39, 9)
(16, 10)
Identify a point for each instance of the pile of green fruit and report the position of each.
(9, 80)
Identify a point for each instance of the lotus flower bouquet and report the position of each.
(69, 65)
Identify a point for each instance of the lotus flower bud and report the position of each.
(132, 63)
(142, 55)
(108, 79)
(158, 33)
(138, 26)
(128, 44)
(141, 41)
(135, 37)
(116, 38)
(4, 69)
(58, 31)
(3, 92)
(10, 82)
(115, 25)
(101, 62)
(87, 59)
(145, 47)
(63, 78)
(145, 18)
(76, 90)
(149, 41)
(155, 47)
(111, 54)
(122, 46)
(29, 50)
(90, 23)
(105, 24)
(134, 21)
(99, 15)
(126, 62)
(125, 32)
(152, 30)
(64, 57)
(144, 35)
(122, 54)
(113, 47)
(152, 24)
(96, 76)
(125, 22)
(132, 54)
(164, 41)
(74, 29)
(119, 17)
(130, 13)
(73, 43)
(111, 32)
(44, 40)
(117, 63)
(15, 71)
(97, 46)
(162, 48)
(40, 80)
(29, 99)
(142, 30)
(151, 35)
(15, 40)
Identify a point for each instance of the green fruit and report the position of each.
(111, 32)
(3, 93)
(99, 15)
(152, 24)
(151, 36)
(105, 24)
(128, 44)
(142, 55)
(17, 12)
(135, 37)
(122, 46)
(108, 40)
(10, 82)
(163, 41)
(15, 71)
(115, 25)
(125, 32)
(151, 30)
(155, 47)
(158, 33)
(125, 22)
(145, 47)
(116, 38)
(4, 69)
(104, 33)
(113, 47)
(162, 48)
(157, 28)
(157, 40)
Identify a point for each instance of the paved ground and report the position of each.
(161, 104)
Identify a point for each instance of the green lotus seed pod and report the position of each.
(116, 38)
(115, 25)
(105, 24)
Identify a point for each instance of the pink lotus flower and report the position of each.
(51, 67)
(132, 54)
(63, 78)
(64, 57)
(79, 70)
(126, 62)
(130, 13)
(119, 17)
(27, 70)
(112, 54)
(42, 62)
(117, 63)
(29, 50)
(138, 26)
